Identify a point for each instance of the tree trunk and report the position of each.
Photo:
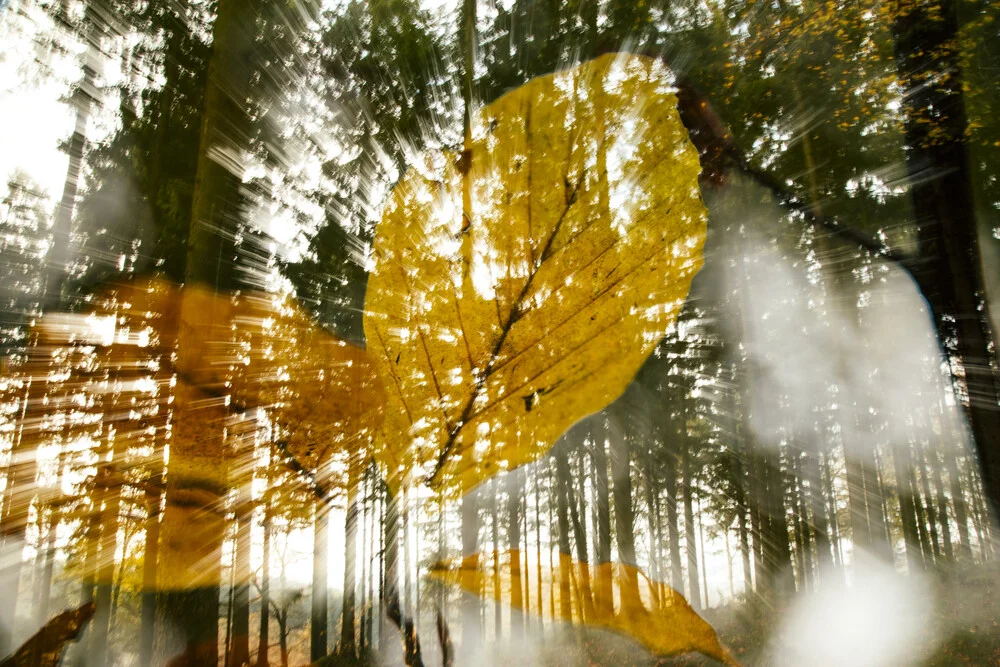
(824, 557)
(347, 620)
(777, 550)
(934, 462)
(107, 488)
(602, 499)
(621, 476)
(673, 533)
(578, 520)
(318, 645)
(949, 267)
(471, 632)
(929, 503)
(958, 500)
(45, 589)
(515, 486)
(263, 642)
(687, 488)
(495, 531)
(193, 525)
(153, 497)
(562, 516)
(831, 505)
(907, 511)
(57, 263)
(240, 647)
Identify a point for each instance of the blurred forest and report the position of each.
(781, 447)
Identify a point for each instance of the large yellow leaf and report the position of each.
(660, 619)
(495, 328)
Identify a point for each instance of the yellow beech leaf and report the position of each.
(518, 286)
(655, 615)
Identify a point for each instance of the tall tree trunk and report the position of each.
(538, 552)
(108, 496)
(673, 532)
(687, 488)
(949, 267)
(824, 557)
(578, 519)
(347, 620)
(958, 500)
(193, 519)
(562, 517)
(240, 646)
(363, 633)
(495, 534)
(776, 545)
(621, 476)
(878, 506)
(21, 490)
(831, 509)
(602, 499)
(318, 645)
(907, 510)
(45, 589)
(934, 463)
(701, 548)
(263, 640)
(153, 493)
(929, 502)
(515, 486)
(471, 633)
(57, 262)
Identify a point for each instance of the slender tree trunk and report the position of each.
(934, 462)
(907, 511)
(878, 506)
(701, 548)
(958, 500)
(602, 499)
(363, 633)
(20, 491)
(240, 646)
(929, 503)
(776, 546)
(687, 486)
(347, 620)
(57, 264)
(621, 470)
(578, 519)
(562, 516)
(45, 589)
(263, 641)
(538, 551)
(494, 529)
(515, 486)
(471, 631)
(824, 557)
(318, 644)
(108, 486)
(153, 497)
(670, 484)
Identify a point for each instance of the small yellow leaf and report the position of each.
(652, 613)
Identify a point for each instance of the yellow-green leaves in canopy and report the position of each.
(518, 286)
